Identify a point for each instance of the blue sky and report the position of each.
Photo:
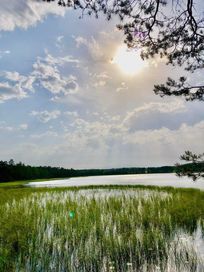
(66, 101)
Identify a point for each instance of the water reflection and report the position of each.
(142, 179)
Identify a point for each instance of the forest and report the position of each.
(11, 171)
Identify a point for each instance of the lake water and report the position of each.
(140, 179)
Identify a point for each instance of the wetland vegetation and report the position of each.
(112, 228)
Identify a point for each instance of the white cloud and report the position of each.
(103, 75)
(24, 82)
(71, 113)
(94, 133)
(60, 38)
(94, 48)
(23, 127)
(6, 128)
(99, 79)
(122, 87)
(114, 134)
(46, 116)
(100, 83)
(175, 106)
(5, 52)
(108, 143)
(24, 13)
(15, 86)
(59, 42)
(46, 134)
(47, 74)
(151, 147)
(7, 91)
(184, 137)
(111, 145)
(49, 59)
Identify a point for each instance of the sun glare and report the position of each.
(128, 60)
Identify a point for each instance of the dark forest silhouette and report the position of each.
(11, 171)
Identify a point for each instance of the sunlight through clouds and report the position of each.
(128, 60)
(80, 93)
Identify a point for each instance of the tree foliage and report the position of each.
(171, 29)
(194, 168)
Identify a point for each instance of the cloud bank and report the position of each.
(25, 13)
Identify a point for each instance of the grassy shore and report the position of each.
(112, 228)
(20, 183)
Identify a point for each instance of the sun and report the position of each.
(128, 60)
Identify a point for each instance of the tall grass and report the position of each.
(113, 229)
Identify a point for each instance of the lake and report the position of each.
(139, 179)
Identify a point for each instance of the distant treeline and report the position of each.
(18, 171)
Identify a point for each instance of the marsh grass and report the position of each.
(127, 228)
(21, 183)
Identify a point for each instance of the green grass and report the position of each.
(114, 228)
(12, 183)
(20, 183)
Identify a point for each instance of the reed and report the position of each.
(108, 228)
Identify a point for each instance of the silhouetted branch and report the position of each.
(148, 24)
(180, 89)
(195, 167)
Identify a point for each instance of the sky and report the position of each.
(72, 96)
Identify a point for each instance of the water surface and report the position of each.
(139, 179)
